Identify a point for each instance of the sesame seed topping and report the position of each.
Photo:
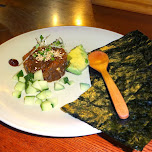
(46, 54)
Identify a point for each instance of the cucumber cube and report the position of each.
(71, 82)
(64, 80)
(53, 101)
(46, 106)
(20, 86)
(21, 79)
(43, 95)
(29, 100)
(58, 86)
(38, 75)
(30, 90)
(38, 101)
(15, 77)
(18, 74)
(84, 86)
(16, 94)
(43, 85)
(36, 85)
(48, 93)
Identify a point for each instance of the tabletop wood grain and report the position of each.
(18, 17)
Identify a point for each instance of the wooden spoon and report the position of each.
(99, 61)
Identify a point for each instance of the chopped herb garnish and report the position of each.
(49, 46)
(47, 49)
(66, 80)
(41, 38)
(20, 74)
(58, 43)
(29, 77)
(34, 55)
(86, 61)
(40, 52)
(37, 45)
(52, 58)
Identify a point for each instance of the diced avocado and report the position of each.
(73, 70)
(77, 60)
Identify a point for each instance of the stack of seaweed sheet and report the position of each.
(131, 68)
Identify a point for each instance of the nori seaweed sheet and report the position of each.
(131, 68)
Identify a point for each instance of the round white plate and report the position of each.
(30, 118)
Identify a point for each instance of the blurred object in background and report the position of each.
(139, 6)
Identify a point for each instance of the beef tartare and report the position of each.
(51, 60)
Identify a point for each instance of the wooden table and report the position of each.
(17, 17)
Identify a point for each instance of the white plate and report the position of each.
(30, 118)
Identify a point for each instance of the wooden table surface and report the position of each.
(18, 17)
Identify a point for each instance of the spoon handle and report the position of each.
(118, 101)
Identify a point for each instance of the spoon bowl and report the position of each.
(99, 61)
(98, 58)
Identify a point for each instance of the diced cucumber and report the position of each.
(46, 106)
(30, 89)
(54, 101)
(61, 80)
(38, 75)
(84, 86)
(43, 85)
(15, 77)
(58, 86)
(21, 79)
(20, 86)
(38, 101)
(18, 74)
(71, 82)
(36, 85)
(64, 80)
(48, 93)
(44, 94)
(29, 100)
(17, 94)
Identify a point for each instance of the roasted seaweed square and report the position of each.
(131, 68)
